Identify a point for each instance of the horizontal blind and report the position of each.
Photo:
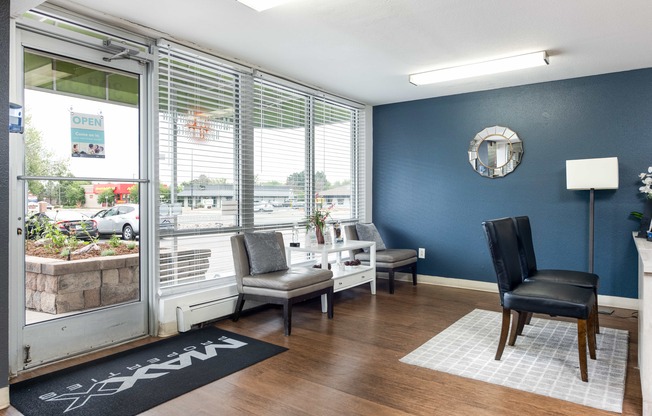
(241, 153)
(359, 166)
(199, 118)
(336, 158)
(280, 132)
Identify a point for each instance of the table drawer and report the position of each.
(351, 280)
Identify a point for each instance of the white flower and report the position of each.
(646, 178)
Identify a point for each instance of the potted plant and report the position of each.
(646, 216)
(317, 220)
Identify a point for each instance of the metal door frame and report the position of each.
(49, 341)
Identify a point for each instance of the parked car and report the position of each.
(167, 214)
(67, 222)
(99, 214)
(123, 220)
(263, 207)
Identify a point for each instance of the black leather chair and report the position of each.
(526, 297)
(531, 273)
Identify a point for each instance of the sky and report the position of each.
(50, 114)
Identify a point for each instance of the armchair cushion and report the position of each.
(368, 232)
(265, 253)
(389, 255)
(289, 279)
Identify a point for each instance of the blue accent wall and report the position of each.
(425, 193)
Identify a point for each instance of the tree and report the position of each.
(106, 197)
(164, 193)
(72, 193)
(298, 180)
(204, 180)
(40, 161)
(321, 183)
(134, 194)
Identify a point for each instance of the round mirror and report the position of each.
(495, 152)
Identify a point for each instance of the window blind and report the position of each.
(243, 151)
(281, 130)
(199, 123)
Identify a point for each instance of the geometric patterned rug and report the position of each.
(543, 361)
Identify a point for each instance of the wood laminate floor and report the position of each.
(350, 365)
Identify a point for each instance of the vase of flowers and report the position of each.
(317, 220)
(646, 215)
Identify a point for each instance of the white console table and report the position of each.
(644, 248)
(344, 279)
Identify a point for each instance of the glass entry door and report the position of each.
(81, 190)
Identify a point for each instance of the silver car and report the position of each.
(123, 220)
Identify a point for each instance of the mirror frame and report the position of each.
(507, 142)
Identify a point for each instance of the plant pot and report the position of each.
(645, 220)
(320, 235)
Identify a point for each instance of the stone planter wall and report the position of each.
(59, 286)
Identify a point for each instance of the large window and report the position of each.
(243, 151)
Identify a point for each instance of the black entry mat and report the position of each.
(133, 381)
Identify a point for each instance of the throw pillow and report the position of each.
(265, 253)
(368, 232)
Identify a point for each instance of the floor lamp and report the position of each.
(592, 174)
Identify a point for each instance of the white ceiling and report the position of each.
(365, 49)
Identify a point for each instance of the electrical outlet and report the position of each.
(422, 253)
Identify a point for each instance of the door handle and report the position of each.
(19, 231)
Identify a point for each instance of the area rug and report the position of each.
(133, 381)
(543, 361)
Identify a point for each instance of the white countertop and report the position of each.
(644, 248)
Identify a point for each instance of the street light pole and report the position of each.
(192, 183)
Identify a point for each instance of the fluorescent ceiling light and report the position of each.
(483, 68)
(260, 5)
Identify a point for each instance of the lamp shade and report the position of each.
(582, 174)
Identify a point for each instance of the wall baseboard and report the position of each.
(4, 397)
(168, 326)
(603, 300)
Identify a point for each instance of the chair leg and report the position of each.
(391, 282)
(581, 348)
(287, 316)
(596, 318)
(504, 331)
(516, 324)
(238, 307)
(528, 319)
(414, 274)
(329, 297)
(592, 330)
(523, 319)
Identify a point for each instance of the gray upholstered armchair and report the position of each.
(389, 260)
(262, 274)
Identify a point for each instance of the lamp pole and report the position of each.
(591, 225)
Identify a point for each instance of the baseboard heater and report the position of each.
(189, 315)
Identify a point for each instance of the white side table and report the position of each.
(343, 279)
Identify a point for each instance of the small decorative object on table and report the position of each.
(295, 236)
(646, 215)
(337, 232)
(317, 220)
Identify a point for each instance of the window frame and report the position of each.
(248, 80)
